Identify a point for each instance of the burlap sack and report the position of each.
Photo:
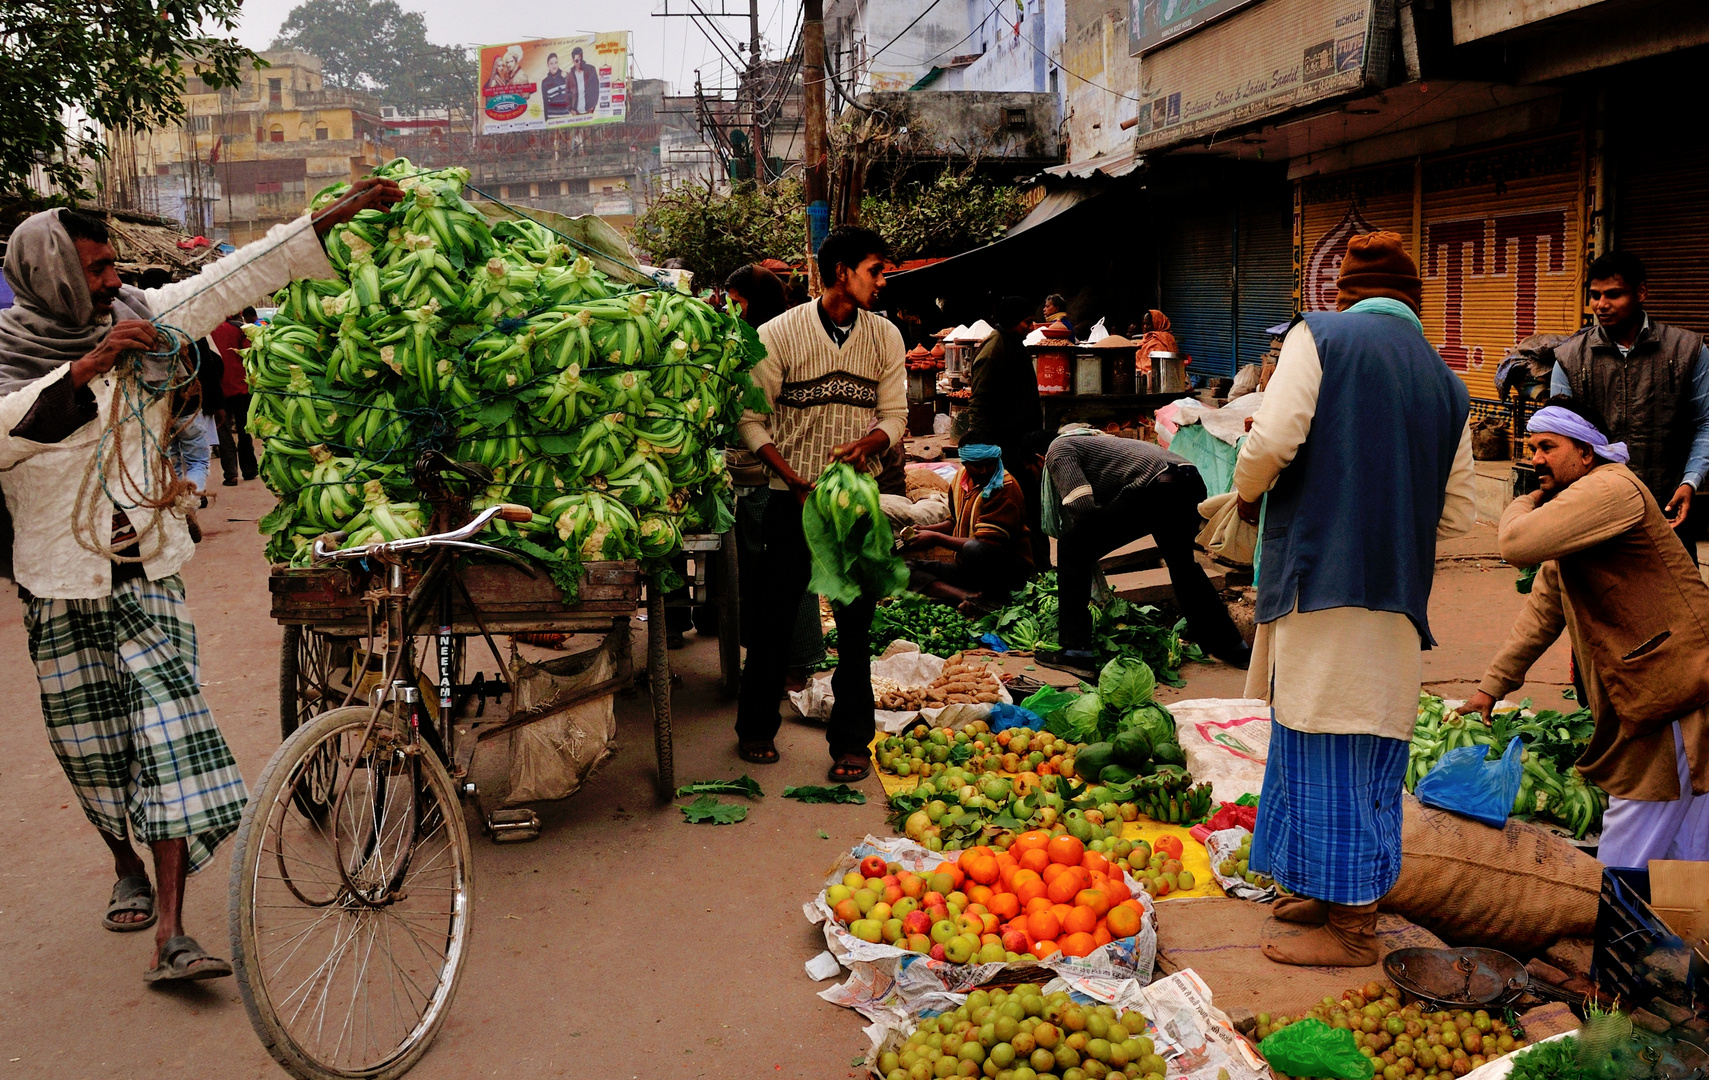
(1518, 889)
(1219, 940)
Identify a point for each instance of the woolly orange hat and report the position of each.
(1376, 264)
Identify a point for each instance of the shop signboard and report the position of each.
(1258, 62)
(1152, 24)
(552, 83)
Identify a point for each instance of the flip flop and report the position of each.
(850, 768)
(131, 893)
(759, 752)
(182, 960)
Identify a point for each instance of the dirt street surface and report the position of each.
(623, 943)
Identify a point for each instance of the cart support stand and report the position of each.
(659, 683)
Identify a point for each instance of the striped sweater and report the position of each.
(822, 396)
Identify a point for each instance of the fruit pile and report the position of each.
(1157, 867)
(1235, 866)
(961, 808)
(925, 751)
(1026, 1035)
(1170, 796)
(1044, 895)
(1410, 1042)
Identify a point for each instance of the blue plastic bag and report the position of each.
(1465, 783)
(993, 642)
(1004, 717)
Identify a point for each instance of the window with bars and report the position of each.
(321, 134)
(275, 93)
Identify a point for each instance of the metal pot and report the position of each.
(1168, 373)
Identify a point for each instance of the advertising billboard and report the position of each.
(1153, 23)
(554, 82)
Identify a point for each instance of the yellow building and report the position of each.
(250, 156)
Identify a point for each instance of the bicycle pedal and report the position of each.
(513, 826)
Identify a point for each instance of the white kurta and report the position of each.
(1340, 671)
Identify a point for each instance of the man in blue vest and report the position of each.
(1362, 446)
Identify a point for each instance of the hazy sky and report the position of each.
(664, 48)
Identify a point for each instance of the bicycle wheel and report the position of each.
(343, 982)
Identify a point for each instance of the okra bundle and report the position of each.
(602, 406)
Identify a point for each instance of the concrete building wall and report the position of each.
(876, 45)
(1095, 46)
(978, 124)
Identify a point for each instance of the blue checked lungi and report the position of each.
(127, 720)
(1329, 818)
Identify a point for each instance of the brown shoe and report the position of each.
(1348, 939)
(1300, 909)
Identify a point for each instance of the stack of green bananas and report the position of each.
(1173, 802)
(602, 406)
(1545, 790)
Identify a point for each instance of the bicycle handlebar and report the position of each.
(455, 538)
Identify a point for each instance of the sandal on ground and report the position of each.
(758, 752)
(130, 894)
(850, 768)
(182, 960)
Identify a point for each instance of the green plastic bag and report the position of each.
(1047, 701)
(849, 539)
(1313, 1048)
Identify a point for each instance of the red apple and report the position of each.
(873, 866)
(917, 922)
(937, 952)
(846, 911)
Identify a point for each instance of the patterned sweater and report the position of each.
(822, 396)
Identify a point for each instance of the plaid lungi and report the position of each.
(1329, 818)
(125, 717)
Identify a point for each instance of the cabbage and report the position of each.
(1079, 722)
(1154, 720)
(1126, 683)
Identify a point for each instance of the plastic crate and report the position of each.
(1636, 957)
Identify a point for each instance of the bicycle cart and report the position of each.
(351, 872)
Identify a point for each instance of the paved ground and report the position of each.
(623, 943)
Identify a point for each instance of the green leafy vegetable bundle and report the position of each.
(601, 406)
(1550, 788)
(849, 538)
(1119, 628)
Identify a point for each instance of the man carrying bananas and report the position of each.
(835, 377)
(1614, 576)
(97, 544)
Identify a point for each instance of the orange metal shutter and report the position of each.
(1334, 209)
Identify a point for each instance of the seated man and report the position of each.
(988, 531)
(1100, 492)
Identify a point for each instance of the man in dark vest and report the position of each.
(1637, 612)
(1649, 382)
(1362, 445)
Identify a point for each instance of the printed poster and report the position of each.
(554, 83)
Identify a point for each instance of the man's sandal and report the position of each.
(850, 768)
(130, 894)
(182, 960)
(758, 752)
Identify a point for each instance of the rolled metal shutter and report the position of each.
(1264, 271)
(1662, 216)
(1198, 286)
(1335, 208)
(1503, 251)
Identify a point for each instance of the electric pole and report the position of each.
(755, 94)
(815, 164)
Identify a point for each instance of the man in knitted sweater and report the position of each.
(835, 380)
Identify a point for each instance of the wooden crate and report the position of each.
(329, 598)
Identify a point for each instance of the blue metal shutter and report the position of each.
(1197, 285)
(1265, 278)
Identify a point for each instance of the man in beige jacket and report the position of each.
(1614, 577)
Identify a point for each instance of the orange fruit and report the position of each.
(1101, 936)
(1006, 857)
(1169, 845)
(1095, 863)
(1035, 840)
(1007, 877)
(984, 869)
(1063, 888)
(1122, 921)
(1042, 949)
(1036, 904)
(1095, 900)
(1053, 871)
(1035, 859)
(953, 871)
(1081, 920)
(980, 894)
(1005, 906)
(1133, 903)
(1077, 945)
(1043, 926)
(1116, 889)
(1060, 911)
(1066, 850)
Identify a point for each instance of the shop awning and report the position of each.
(1064, 204)
(1113, 166)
